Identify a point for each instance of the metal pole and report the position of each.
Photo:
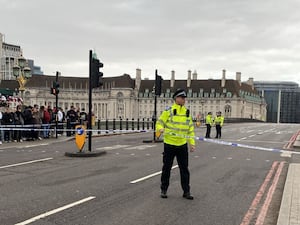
(90, 104)
(278, 106)
(154, 119)
(155, 103)
(56, 106)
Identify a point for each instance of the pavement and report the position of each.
(289, 213)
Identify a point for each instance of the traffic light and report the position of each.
(96, 75)
(55, 88)
(158, 81)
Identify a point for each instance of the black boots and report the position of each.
(188, 196)
(163, 194)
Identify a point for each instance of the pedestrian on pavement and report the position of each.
(208, 123)
(176, 123)
(219, 121)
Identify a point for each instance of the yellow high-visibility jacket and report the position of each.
(209, 119)
(219, 120)
(176, 124)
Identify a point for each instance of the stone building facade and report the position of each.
(126, 97)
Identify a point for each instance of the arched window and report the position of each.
(227, 111)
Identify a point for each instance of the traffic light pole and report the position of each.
(157, 92)
(154, 119)
(94, 75)
(90, 104)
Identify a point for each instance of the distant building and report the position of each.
(283, 100)
(34, 69)
(9, 54)
(125, 97)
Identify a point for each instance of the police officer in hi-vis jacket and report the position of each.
(176, 123)
(219, 121)
(208, 122)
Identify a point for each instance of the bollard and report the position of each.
(114, 125)
(99, 126)
(121, 124)
(143, 123)
(138, 124)
(126, 123)
(106, 126)
(68, 128)
(132, 124)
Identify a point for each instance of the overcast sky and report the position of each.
(259, 38)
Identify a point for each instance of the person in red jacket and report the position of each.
(45, 121)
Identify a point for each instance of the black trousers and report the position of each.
(218, 131)
(181, 153)
(208, 127)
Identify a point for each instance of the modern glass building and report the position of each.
(283, 100)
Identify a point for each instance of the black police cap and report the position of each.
(179, 93)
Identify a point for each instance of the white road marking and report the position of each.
(140, 147)
(35, 145)
(242, 139)
(112, 147)
(24, 163)
(55, 211)
(286, 154)
(149, 176)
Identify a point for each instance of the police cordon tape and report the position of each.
(42, 128)
(216, 141)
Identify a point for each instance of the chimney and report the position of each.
(195, 75)
(172, 81)
(250, 82)
(238, 77)
(138, 79)
(189, 79)
(223, 78)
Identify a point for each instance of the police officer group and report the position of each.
(218, 121)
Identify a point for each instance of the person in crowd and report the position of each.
(1, 130)
(37, 122)
(28, 122)
(72, 116)
(19, 123)
(176, 123)
(8, 121)
(83, 117)
(219, 121)
(208, 123)
(60, 120)
(45, 115)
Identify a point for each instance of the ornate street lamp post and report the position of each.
(22, 73)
